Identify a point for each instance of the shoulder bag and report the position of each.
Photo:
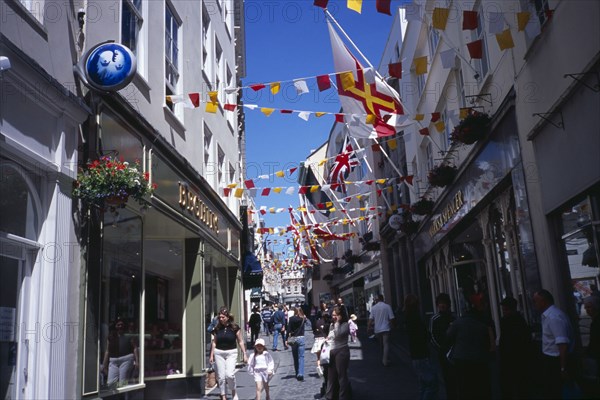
(293, 337)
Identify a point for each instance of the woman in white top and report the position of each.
(261, 366)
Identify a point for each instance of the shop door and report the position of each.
(470, 284)
(11, 280)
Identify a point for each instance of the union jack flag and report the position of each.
(343, 164)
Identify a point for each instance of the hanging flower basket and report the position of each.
(409, 226)
(474, 127)
(442, 175)
(110, 182)
(422, 207)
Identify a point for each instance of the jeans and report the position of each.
(120, 369)
(225, 368)
(427, 377)
(298, 354)
(277, 331)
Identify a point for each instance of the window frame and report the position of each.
(171, 59)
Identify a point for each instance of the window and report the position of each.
(397, 52)
(131, 24)
(221, 166)
(219, 65)
(434, 40)
(231, 173)
(420, 85)
(171, 53)
(542, 10)
(429, 155)
(207, 146)
(480, 34)
(35, 7)
(205, 36)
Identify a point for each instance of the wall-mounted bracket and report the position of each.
(545, 117)
(487, 97)
(578, 77)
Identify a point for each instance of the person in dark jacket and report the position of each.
(254, 322)
(419, 348)
(297, 324)
(514, 351)
(592, 308)
(438, 326)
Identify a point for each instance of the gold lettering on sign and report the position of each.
(191, 202)
(447, 213)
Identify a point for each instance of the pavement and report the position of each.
(368, 377)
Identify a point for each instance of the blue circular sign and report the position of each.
(110, 66)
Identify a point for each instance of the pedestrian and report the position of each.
(419, 349)
(338, 385)
(225, 338)
(278, 327)
(261, 366)
(514, 351)
(255, 322)
(353, 327)
(380, 322)
(438, 327)
(557, 345)
(592, 308)
(267, 317)
(320, 332)
(471, 346)
(296, 325)
(578, 300)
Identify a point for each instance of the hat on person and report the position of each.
(259, 342)
(353, 317)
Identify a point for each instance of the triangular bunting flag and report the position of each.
(355, 5)
(275, 86)
(323, 82)
(257, 87)
(230, 107)
(300, 85)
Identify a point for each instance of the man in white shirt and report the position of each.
(557, 344)
(380, 322)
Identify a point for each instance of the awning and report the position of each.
(251, 272)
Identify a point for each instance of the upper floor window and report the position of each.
(207, 145)
(542, 11)
(171, 51)
(480, 34)
(131, 29)
(221, 166)
(434, 40)
(35, 7)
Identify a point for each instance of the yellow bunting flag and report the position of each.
(211, 107)
(394, 207)
(371, 118)
(329, 204)
(440, 17)
(232, 185)
(322, 162)
(239, 192)
(420, 65)
(275, 86)
(440, 126)
(213, 96)
(347, 79)
(277, 190)
(355, 5)
(279, 174)
(332, 209)
(381, 181)
(390, 189)
(267, 111)
(419, 117)
(272, 210)
(319, 114)
(523, 20)
(392, 144)
(463, 113)
(505, 40)
(314, 188)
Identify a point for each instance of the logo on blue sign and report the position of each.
(110, 66)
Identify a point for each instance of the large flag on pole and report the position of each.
(376, 100)
(342, 165)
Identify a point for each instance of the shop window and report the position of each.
(117, 139)
(18, 208)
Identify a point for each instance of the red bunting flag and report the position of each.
(435, 116)
(226, 192)
(321, 3)
(230, 107)
(424, 131)
(383, 6)
(408, 179)
(257, 87)
(303, 189)
(475, 49)
(249, 184)
(339, 118)
(195, 98)
(292, 170)
(375, 147)
(469, 20)
(395, 70)
(266, 191)
(323, 82)
(286, 111)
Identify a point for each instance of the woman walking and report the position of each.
(223, 351)
(296, 340)
(338, 386)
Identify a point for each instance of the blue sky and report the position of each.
(286, 40)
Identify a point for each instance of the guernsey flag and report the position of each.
(366, 96)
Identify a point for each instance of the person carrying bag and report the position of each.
(296, 340)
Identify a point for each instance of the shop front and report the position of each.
(477, 246)
(359, 291)
(156, 275)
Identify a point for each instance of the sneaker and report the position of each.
(300, 378)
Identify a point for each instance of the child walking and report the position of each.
(261, 366)
(353, 328)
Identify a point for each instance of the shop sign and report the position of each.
(447, 213)
(191, 202)
(109, 67)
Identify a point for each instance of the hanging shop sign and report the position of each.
(191, 202)
(447, 213)
(108, 67)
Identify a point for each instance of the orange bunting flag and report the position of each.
(211, 107)
(355, 5)
(440, 126)
(475, 49)
(462, 114)
(347, 80)
(392, 144)
(440, 18)
(505, 40)
(213, 96)
(523, 20)
(420, 65)
(275, 86)
(469, 20)
(267, 111)
(232, 185)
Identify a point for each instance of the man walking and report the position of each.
(279, 327)
(557, 345)
(267, 316)
(380, 322)
(438, 326)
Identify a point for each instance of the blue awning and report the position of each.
(252, 273)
